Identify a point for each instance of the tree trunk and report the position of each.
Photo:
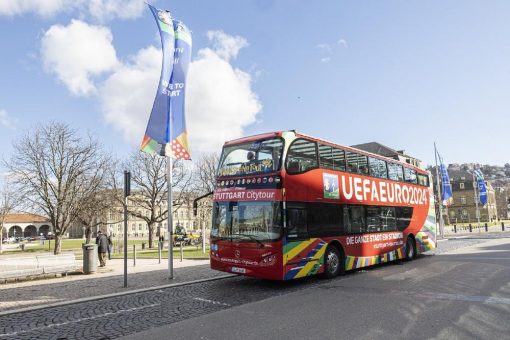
(151, 235)
(88, 234)
(58, 244)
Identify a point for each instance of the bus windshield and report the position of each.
(251, 158)
(245, 221)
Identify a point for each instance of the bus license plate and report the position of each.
(238, 270)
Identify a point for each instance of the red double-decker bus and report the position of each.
(287, 205)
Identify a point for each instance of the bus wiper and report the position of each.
(222, 238)
(251, 237)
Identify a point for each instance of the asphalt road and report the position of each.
(464, 292)
(461, 294)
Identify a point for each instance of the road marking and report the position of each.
(461, 297)
(211, 301)
(79, 320)
(486, 258)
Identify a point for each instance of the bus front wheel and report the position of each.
(332, 262)
(410, 249)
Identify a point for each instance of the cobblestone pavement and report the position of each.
(108, 281)
(113, 317)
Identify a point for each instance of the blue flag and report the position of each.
(447, 195)
(182, 57)
(166, 130)
(482, 188)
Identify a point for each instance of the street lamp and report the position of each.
(49, 241)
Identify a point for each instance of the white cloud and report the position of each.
(326, 48)
(126, 96)
(226, 46)
(44, 8)
(78, 52)
(98, 9)
(220, 102)
(4, 119)
(343, 42)
(109, 9)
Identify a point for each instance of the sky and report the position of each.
(402, 73)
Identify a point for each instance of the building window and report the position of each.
(461, 185)
(462, 199)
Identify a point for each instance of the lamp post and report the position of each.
(477, 198)
(49, 241)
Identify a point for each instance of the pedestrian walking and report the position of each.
(110, 247)
(102, 248)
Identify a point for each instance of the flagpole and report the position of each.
(170, 217)
(477, 198)
(440, 202)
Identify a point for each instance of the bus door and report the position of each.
(296, 233)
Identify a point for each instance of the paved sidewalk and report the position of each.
(109, 280)
(464, 230)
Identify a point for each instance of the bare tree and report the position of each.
(95, 207)
(94, 210)
(205, 172)
(55, 169)
(204, 182)
(9, 198)
(150, 188)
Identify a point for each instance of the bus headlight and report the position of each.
(268, 260)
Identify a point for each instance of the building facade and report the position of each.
(464, 207)
(183, 218)
(26, 225)
(383, 150)
(503, 202)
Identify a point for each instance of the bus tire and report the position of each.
(410, 249)
(332, 262)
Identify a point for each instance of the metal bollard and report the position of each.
(486, 227)
(502, 226)
(134, 255)
(160, 245)
(455, 228)
(182, 254)
(470, 228)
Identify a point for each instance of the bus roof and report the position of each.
(299, 134)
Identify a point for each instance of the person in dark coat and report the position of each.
(102, 248)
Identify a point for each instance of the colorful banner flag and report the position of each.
(166, 130)
(482, 188)
(447, 195)
(182, 57)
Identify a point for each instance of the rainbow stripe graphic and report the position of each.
(426, 237)
(301, 266)
(354, 262)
